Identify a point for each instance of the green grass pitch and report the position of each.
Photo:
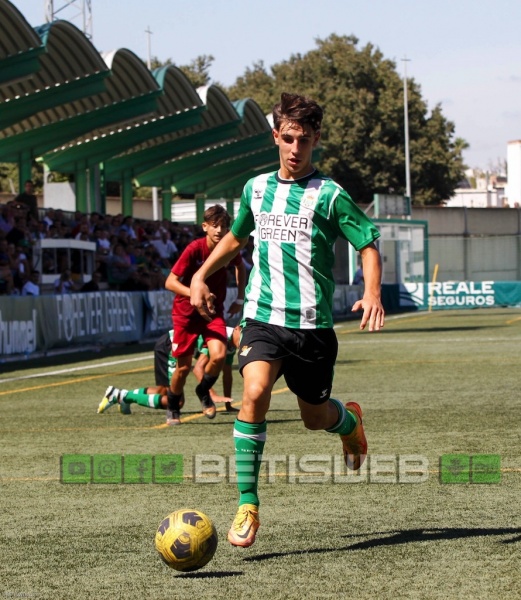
(432, 385)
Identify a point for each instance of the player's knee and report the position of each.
(256, 393)
(219, 357)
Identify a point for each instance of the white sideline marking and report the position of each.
(65, 371)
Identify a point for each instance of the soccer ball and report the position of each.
(186, 540)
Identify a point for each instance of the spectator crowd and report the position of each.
(131, 254)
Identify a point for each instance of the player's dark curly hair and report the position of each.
(297, 109)
(217, 215)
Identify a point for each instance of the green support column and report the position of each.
(127, 194)
(97, 194)
(166, 203)
(230, 208)
(199, 208)
(102, 188)
(80, 178)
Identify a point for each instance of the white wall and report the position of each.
(513, 189)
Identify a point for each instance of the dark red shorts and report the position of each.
(186, 332)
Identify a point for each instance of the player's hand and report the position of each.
(221, 399)
(202, 299)
(374, 313)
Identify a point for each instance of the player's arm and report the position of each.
(371, 303)
(174, 284)
(200, 295)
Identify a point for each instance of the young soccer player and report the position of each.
(233, 336)
(297, 213)
(164, 367)
(188, 324)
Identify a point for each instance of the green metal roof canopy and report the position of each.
(20, 46)
(254, 133)
(219, 121)
(231, 183)
(225, 169)
(30, 106)
(62, 103)
(71, 69)
(178, 107)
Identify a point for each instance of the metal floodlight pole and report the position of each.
(406, 128)
(155, 197)
(74, 9)
(148, 31)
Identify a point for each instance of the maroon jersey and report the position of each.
(190, 261)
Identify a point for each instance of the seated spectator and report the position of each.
(81, 225)
(75, 221)
(29, 200)
(83, 233)
(101, 237)
(140, 230)
(119, 267)
(39, 232)
(114, 225)
(93, 284)
(64, 284)
(127, 227)
(139, 281)
(53, 232)
(185, 237)
(94, 222)
(32, 285)
(19, 231)
(19, 264)
(49, 217)
(166, 248)
(6, 218)
(6, 277)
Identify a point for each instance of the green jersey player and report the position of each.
(295, 214)
(165, 365)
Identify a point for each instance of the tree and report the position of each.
(198, 71)
(363, 138)
(9, 177)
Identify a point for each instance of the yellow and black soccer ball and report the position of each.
(186, 540)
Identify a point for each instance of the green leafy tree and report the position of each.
(363, 134)
(198, 71)
(9, 177)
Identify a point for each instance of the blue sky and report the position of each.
(464, 54)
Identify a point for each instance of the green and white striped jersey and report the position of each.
(295, 225)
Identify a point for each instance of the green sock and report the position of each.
(346, 420)
(249, 441)
(140, 397)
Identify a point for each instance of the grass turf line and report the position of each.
(432, 384)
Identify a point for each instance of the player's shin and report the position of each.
(249, 441)
(139, 396)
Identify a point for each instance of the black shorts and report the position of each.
(162, 351)
(308, 356)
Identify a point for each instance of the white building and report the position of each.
(513, 188)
